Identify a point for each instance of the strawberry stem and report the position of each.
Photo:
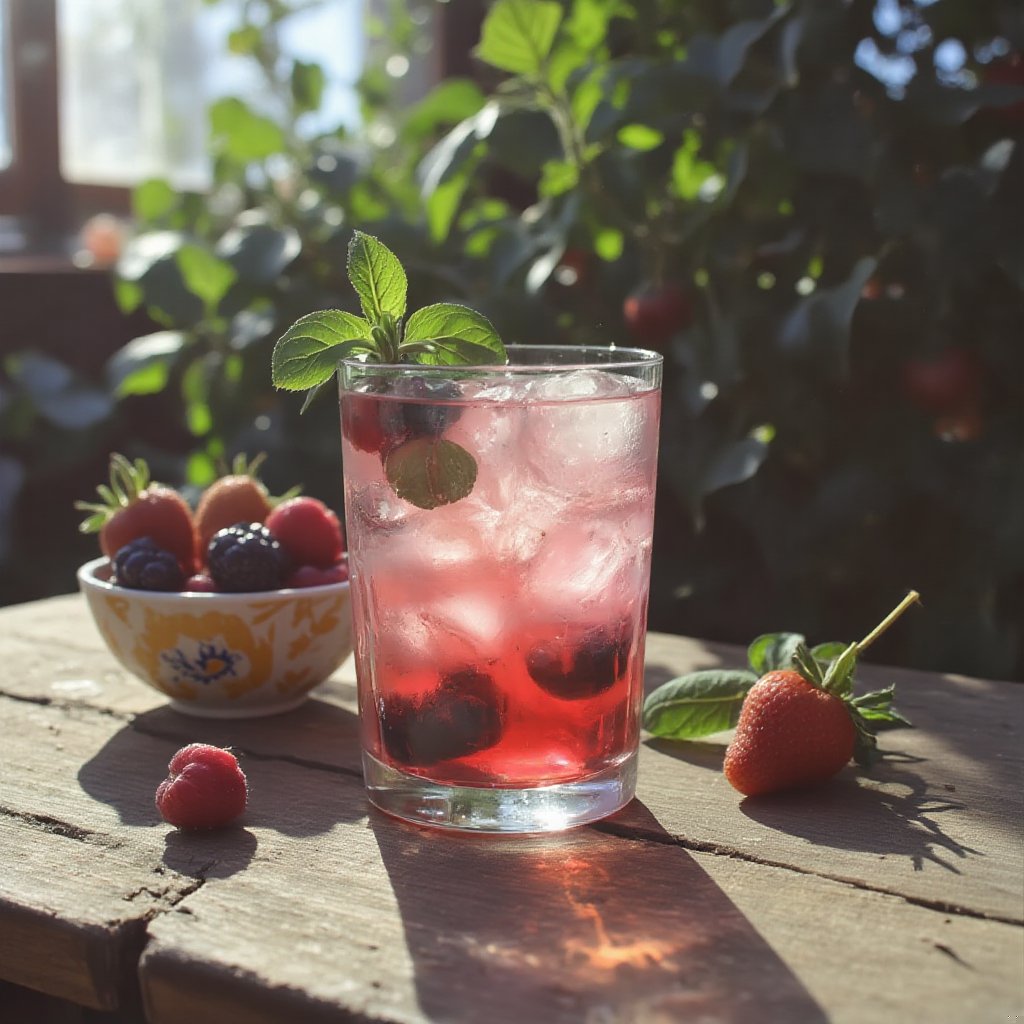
(912, 598)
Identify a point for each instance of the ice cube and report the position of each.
(585, 432)
(586, 570)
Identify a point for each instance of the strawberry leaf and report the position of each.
(839, 676)
(826, 653)
(876, 708)
(697, 704)
(804, 663)
(772, 651)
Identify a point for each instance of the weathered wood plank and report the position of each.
(935, 821)
(938, 820)
(414, 926)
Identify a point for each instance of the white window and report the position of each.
(136, 77)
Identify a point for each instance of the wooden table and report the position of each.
(895, 897)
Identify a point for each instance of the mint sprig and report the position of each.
(427, 474)
(306, 356)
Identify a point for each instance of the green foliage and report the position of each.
(840, 202)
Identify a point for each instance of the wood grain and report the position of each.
(862, 901)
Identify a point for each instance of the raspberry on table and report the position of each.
(247, 557)
(205, 788)
(463, 716)
(586, 669)
(142, 565)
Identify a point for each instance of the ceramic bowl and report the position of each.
(223, 655)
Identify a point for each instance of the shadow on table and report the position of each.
(295, 799)
(586, 927)
(888, 813)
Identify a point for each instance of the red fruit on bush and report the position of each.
(133, 507)
(205, 788)
(313, 576)
(653, 313)
(308, 531)
(944, 383)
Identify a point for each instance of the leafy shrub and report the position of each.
(813, 208)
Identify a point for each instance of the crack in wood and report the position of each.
(54, 826)
(640, 835)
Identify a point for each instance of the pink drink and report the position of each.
(500, 638)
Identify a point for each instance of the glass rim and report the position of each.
(631, 358)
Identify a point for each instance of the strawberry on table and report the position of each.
(133, 507)
(308, 530)
(796, 725)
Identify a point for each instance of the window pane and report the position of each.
(137, 76)
(131, 92)
(5, 92)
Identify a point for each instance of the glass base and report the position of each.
(541, 809)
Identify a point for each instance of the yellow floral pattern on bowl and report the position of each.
(224, 654)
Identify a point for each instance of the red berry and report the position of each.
(205, 788)
(238, 497)
(308, 530)
(945, 383)
(313, 576)
(360, 421)
(132, 507)
(790, 734)
(654, 313)
(200, 583)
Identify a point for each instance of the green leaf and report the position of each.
(558, 176)
(153, 199)
(242, 134)
(828, 652)
(205, 276)
(143, 365)
(451, 101)
(307, 354)
(259, 252)
(517, 35)
(430, 472)
(772, 651)
(805, 664)
(697, 704)
(690, 174)
(308, 81)
(876, 708)
(377, 276)
(839, 676)
(640, 136)
(820, 324)
(443, 204)
(608, 244)
(459, 334)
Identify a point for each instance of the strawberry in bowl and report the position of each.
(240, 627)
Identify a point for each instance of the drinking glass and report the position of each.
(499, 524)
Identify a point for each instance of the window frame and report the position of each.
(47, 208)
